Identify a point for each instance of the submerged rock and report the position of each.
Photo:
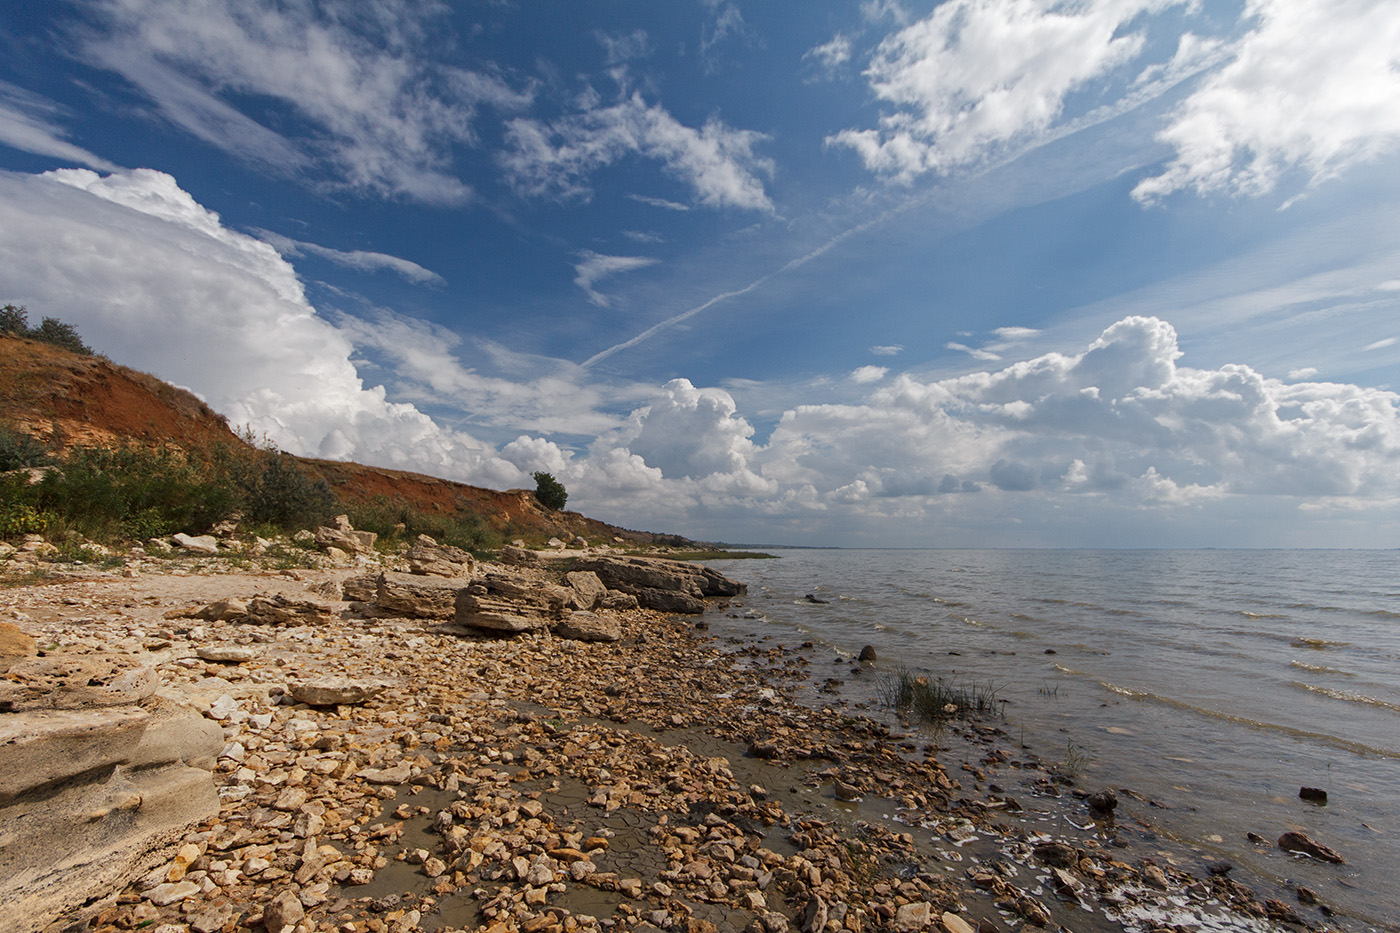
(1294, 841)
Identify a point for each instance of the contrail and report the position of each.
(756, 283)
(1132, 101)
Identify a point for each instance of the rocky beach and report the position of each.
(390, 740)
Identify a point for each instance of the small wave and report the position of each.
(1069, 670)
(1319, 644)
(1262, 615)
(1381, 613)
(1319, 669)
(1322, 737)
(968, 620)
(1348, 696)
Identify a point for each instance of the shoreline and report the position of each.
(670, 781)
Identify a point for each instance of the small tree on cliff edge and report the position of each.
(550, 492)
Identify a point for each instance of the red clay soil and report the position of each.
(92, 402)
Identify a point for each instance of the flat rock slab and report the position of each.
(335, 691)
(226, 654)
(75, 682)
(43, 747)
(588, 626)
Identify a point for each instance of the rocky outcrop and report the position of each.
(500, 602)
(428, 558)
(418, 596)
(342, 536)
(663, 585)
(588, 589)
(95, 787)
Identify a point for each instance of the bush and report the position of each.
(107, 494)
(550, 492)
(462, 529)
(282, 495)
(18, 450)
(14, 320)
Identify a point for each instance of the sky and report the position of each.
(977, 273)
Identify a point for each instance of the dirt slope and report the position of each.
(67, 400)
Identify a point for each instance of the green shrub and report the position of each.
(462, 529)
(282, 495)
(14, 320)
(107, 494)
(550, 492)
(18, 450)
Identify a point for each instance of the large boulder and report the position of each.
(418, 596)
(588, 589)
(428, 558)
(500, 602)
(588, 626)
(93, 797)
(663, 585)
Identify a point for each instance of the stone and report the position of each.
(335, 691)
(1312, 794)
(345, 539)
(663, 585)
(428, 558)
(1293, 841)
(14, 645)
(911, 917)
(867, 654)
(952, 923)
(503, 603)
(223, 610)
(177, 733)
(283, 610)
(360, 589)
(588, 589)
(417, 596)
(283, 913)
(398, 774)
(163, 895)
(225, 654)
(588, 626)
(1102, 804)
(519, 556)
(196, 544)
(1056, 854)
(45, 747)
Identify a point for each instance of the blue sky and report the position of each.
(975, 273)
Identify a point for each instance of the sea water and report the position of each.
(1214, 683)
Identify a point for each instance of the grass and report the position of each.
(1077, 758)
(937, 701)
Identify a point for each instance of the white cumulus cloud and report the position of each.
(1312, 87)
(156, 280)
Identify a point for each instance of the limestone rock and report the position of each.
(14, 645)
(1300, 842)
(952, 923)
(223, 610)
(40, 748)
(72, 682)
(196, 544)
(504, 603)
(663, 585)
(418, 597)
(911, 917)
(335, 691)
(587, 626)
(283, 610)
(511, 554)
(588, 589)
(360, 589)
(225, 654)
(429, 558)
(345, 538)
